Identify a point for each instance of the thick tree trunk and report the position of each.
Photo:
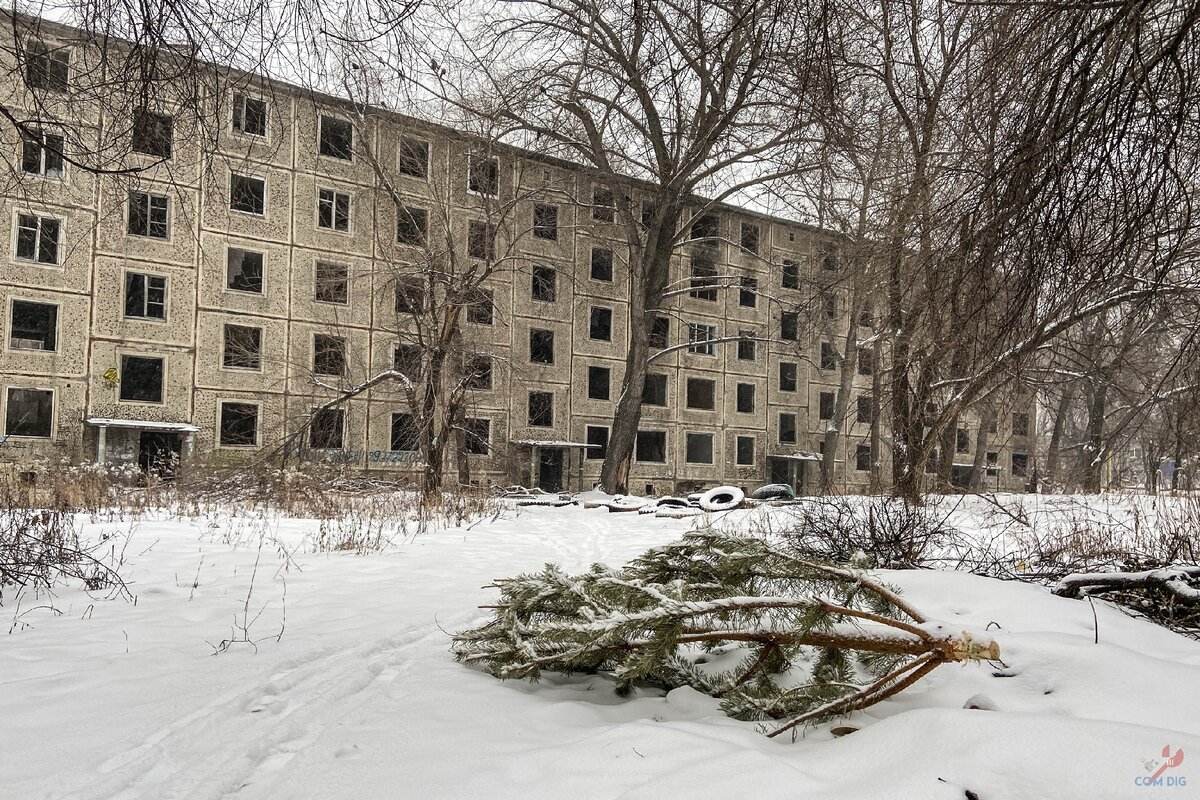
(1092, 458)
(1054, 447)
(841, 406)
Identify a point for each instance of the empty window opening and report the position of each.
(244, 270)
(242, 347)
(787, 428)
(413, 157)
(750, 238)
(545, 221)
(600, 324)
(599, 379)
(412, 226)
(483, 175)
(541, 409)
(603, 206)
(480, 306)
(481, 240)
(701, 394)
(29, 412)
(247, 194)
(660, 329)
(597, 439)
(745, 451)
(329, 355)
(478, 370)
(34, 326)
(745, 398)
(239, 424)
(654, 390)
(748, 293)
(337, 138)
(326, 430)
(862, 457)
(698, 448)
(406, 435)
(602, 264)
(410, 294)
(541, 346)
(478, 435)
(791, 274)
(747, 347)
(152, 134)
(787, 376)
(826, 405)
(331, 283)
(544, 284)
(651, 447)
(141, 379)
(789, 325)
(249, 115)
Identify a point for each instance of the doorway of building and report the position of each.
(158, 453)
(550, 469)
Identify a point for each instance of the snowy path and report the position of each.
(360, 698)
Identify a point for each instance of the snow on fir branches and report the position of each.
(741, 618)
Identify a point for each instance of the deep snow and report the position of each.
(360, 698)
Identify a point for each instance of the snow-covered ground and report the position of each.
(360, 698)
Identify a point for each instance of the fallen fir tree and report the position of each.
(772, 635)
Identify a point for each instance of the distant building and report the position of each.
(187, 309)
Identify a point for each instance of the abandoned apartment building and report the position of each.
(199, 308)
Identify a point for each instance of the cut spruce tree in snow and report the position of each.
(740, 618)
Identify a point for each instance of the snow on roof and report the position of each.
(551, 443)
(182, 427)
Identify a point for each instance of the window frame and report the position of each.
(51, 391)
(342, 418)
(698, 381)
(238, 115)
(248, 178)
(146, 288)
(37, 51)
(149, 198)
(226, 329)
(611, 264)
(163, 380)
(38, 248)
(689, 437)
(493, 174)
(262, 276)
(753, 398)
(793, 428)
(345, 355)
(637, 446)
(400, 145)
(546, 230)
(321, 138)
(549, 408)
(257, 406)
(333, 204)
(55, 334)
(318, 263)
(543, 283)
(702, 347)
(592, 315)
(737, 450)
(39, 141)
(794, 377)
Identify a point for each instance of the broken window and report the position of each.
(247, 194)
(480, 305)
(46, 68)
(700, 339)
(331, 283)
(406, 359)
(603, 207)
(541, 409)
(410, 294)
(479, 372)
(337, 138)
(42, 154)
(829, 358)
(249, 115)
(413, 157)
(791, 274)
(748, 294)
(866, 319)
(597, 439)
(329, 355)
(244, 270)
(787, 376)
(747, 347)
(243, 347)
(543, 284)
(600, 324)
(141, 379)
(34, 326)
(866, 361)
(152, 134)
(745, 451)
(866, 408)
(333, 210)
(830, 304)
(145, 296)
(148, 215)
(787, 428)
(1020, 424)
(698, 448)
(654, 389)
(406, 436)
(701, 394)
(704, 276)
(481, 240)
(483, 175)
(962, 440)
(649, 211)
(541, 346)
(602, 264)
(707, 226)
(826, 405)
(545, 221)
(789, 325)
(326, 430)
(660, 328)
(745, 398)
(862, 457)
(750, 237)
(239, 424)
(829, 258)
(412, 226)
(37, 238)
(30, 412)
(478, 434)
(993, 463)
(651, 446)
(599, 379)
